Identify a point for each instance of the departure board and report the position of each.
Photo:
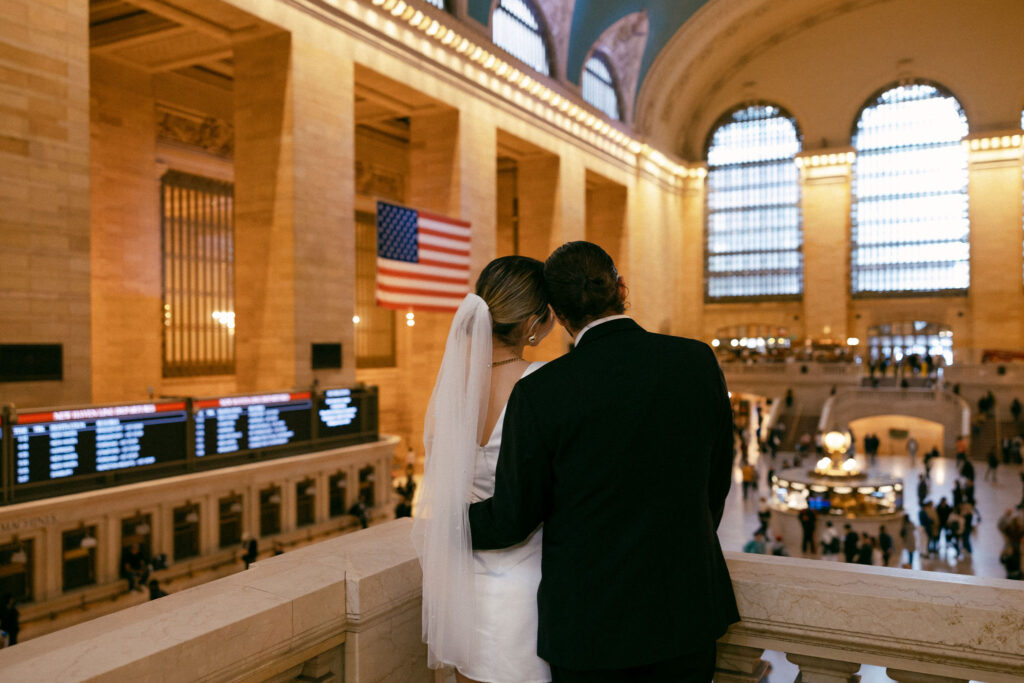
(339, 413)
(246, 423)
(56, 445)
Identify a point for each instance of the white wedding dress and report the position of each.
(505, 584)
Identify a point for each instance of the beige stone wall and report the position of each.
(126, 243)
(44, 192)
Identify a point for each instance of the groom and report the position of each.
(623, 450)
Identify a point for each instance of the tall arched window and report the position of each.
(598, 86)
(909, 207)
(518, 30)
(754, 236)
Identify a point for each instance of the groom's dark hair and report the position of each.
(582, 283)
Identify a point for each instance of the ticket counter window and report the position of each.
(305, 503)
(270, 511)
(186, 532)
(366, 480)
(79, 557)
(230, 509)
(16, 562)
(138, 529)
(338, 489)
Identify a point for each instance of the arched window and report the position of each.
(598, 86)
(909, 205)
(517, 30)
(754, 236)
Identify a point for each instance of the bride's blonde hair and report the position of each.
(513, 287)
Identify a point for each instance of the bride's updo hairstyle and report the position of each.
(582, 284)
(513, 287)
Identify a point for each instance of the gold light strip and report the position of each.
(835, 159)
(569, 115)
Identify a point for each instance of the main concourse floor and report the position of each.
(994, 496)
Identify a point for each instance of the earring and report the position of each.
(532, 339)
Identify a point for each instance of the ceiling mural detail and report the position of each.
(623, 43)
(588, 21)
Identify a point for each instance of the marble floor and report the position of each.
(993, 497)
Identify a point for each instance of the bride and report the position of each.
(480, 608)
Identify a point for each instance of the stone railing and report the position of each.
(348, 610)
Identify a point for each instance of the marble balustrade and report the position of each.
(42, 523)
(348, 609)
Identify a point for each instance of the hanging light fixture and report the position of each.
(88, 541)
(311, 490)
(236, 507)
(19, 556)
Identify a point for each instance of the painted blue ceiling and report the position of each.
(591, 18)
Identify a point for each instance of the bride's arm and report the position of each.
(521, 483)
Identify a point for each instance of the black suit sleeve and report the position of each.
(521, 485)
(720, 476)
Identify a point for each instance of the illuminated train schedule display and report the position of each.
(58, 445)
(234, 424)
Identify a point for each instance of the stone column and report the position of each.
(324, 209)
(818, 670)
(265, 283)
(126, 243)
(740, 664)
(996, 297)
(825, 202)
(539, 205)
(689, 249)
(44, 193)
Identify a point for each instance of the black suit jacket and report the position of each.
(623, 449)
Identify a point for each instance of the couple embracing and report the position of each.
(568, 513)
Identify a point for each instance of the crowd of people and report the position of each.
(942, 529)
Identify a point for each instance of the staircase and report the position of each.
(984, 437)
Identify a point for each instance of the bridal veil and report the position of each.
(452, 431)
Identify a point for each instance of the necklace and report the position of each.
(513, 359)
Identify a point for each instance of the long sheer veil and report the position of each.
(453, 428)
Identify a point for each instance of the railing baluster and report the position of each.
(818, 670)
(739, 664)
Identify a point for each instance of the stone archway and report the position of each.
(949, 411)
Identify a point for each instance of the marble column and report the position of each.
(996, 297)
(825, 192)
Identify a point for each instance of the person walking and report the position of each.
(850, 543)
(993, 463)
(908, 534)
(912, 449)
(808, 521)
(885, 545)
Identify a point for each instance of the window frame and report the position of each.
(871, 101)
(197, 263)
(614, 86)
(721, 121)
(542, 31)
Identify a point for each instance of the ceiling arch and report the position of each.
(592, 17)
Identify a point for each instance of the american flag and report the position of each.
(422, 259)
